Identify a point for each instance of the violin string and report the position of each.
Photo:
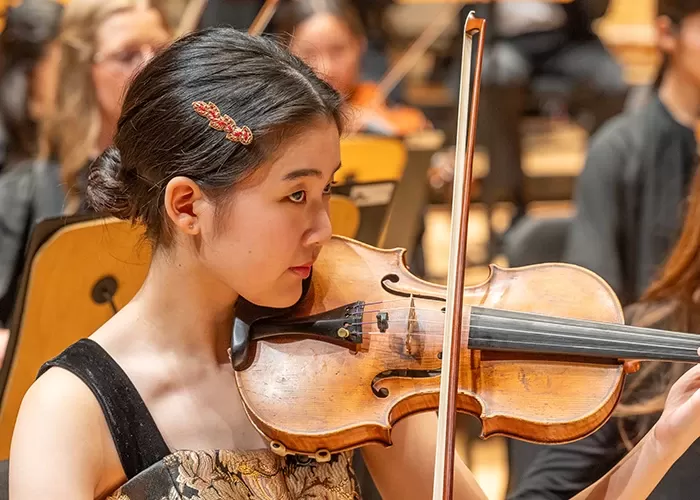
(402, 309)
(540, 322)
(593, 330)
(515, 341)
(512, 343)
(420, 322)
(386, 301)
(516, 332)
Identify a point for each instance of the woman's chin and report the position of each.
(281, 297)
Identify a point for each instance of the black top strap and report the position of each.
(135, 433)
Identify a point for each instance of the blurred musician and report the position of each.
(629, 197)
(29, 59)
(102, 43)
(329, 36)
(528, 40)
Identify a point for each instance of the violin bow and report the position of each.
(409, 58)
(190, 17)
(195, 8)
(263, 18)
(464, 157)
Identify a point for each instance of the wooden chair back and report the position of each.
(345, 216)
(367, 158)
(61, 300)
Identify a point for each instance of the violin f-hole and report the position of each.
(383, 392)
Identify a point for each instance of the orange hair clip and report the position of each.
(225, 123)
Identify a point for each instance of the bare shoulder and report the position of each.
(58, 443)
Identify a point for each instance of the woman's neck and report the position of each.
(681, 97)
(186, 310)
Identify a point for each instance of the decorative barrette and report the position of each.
(225, 123)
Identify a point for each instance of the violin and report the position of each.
(539, 356)
(535, 353)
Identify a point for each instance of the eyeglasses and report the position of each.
(129, 58)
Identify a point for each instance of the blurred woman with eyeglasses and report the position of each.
(102, 43)
(28, 67)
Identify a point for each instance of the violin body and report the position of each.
(314, 393)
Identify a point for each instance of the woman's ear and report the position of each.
(666, 35)
(183, 203)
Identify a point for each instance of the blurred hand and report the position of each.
(442, 169)
(679, 425)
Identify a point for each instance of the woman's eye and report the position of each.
(298, 197)
(328, 188)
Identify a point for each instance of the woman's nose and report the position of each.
(322, 229)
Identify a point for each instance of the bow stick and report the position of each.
(263, 18)
(464, 156)
(190, 17)
(409, 58)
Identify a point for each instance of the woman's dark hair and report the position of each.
(159, 135)
(28, 29)
(672, 300)
(676, 11)
(291, 14)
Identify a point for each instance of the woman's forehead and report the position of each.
(314, 151)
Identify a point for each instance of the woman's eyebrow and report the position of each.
(306, 172)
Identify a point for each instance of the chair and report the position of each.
(367, 158)
(76, 278)
(372, 168)
(345, 216)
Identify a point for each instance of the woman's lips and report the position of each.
(303, 271)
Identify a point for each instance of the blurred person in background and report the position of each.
(672, 302)
(541, 47)
(102, 43)
(237, 14)
(29, 57)
(240, 14)
(630, 196)
(329, 36)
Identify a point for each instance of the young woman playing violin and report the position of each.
(329, 37)
(225, 150)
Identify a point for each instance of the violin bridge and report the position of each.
(411, 327)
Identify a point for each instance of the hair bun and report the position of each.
(106, 191)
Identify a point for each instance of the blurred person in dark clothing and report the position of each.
(329, 37)
(102, 44)
(29, 59)
(241, 13)
(527, 40)
(238, 14)
(630, 195)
